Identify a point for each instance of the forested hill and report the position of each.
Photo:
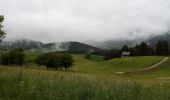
(81, 47)
(75, 47)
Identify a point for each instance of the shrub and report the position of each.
(55, 60)
(66, 61)
(41, 59)
(13, 57)
(4, 59)
(87, 56)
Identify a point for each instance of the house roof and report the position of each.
(126, 53)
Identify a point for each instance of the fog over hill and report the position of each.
(83, 47)
(29, 45)
(151, 40)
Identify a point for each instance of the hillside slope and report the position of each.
(114, 65)
(164, 72)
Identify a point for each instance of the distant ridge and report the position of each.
(78, 47)
(29, 45)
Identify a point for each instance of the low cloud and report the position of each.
(81, 20)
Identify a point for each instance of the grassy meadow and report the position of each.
(114, 65)
(89, 79)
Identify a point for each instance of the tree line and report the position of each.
(55, 60)
(142, 49)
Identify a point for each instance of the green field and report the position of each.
(89, 79)
(114, 65)
(96, 58)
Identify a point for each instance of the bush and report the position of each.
(13, 57)
(87, 56)
(55, 60)
(66, 61)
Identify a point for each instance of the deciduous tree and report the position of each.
(2, 33)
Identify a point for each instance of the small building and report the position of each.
(91, 51)
(126, 54)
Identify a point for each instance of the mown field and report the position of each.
(89, 79)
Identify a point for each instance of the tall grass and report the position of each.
(54, 85)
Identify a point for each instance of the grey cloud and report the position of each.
(77, 20)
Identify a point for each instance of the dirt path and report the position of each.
(149, 69)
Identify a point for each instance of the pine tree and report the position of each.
(125, 48)
(162, 48)
(144, 49)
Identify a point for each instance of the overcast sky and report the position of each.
(82, 20)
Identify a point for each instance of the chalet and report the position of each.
(126, 54)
